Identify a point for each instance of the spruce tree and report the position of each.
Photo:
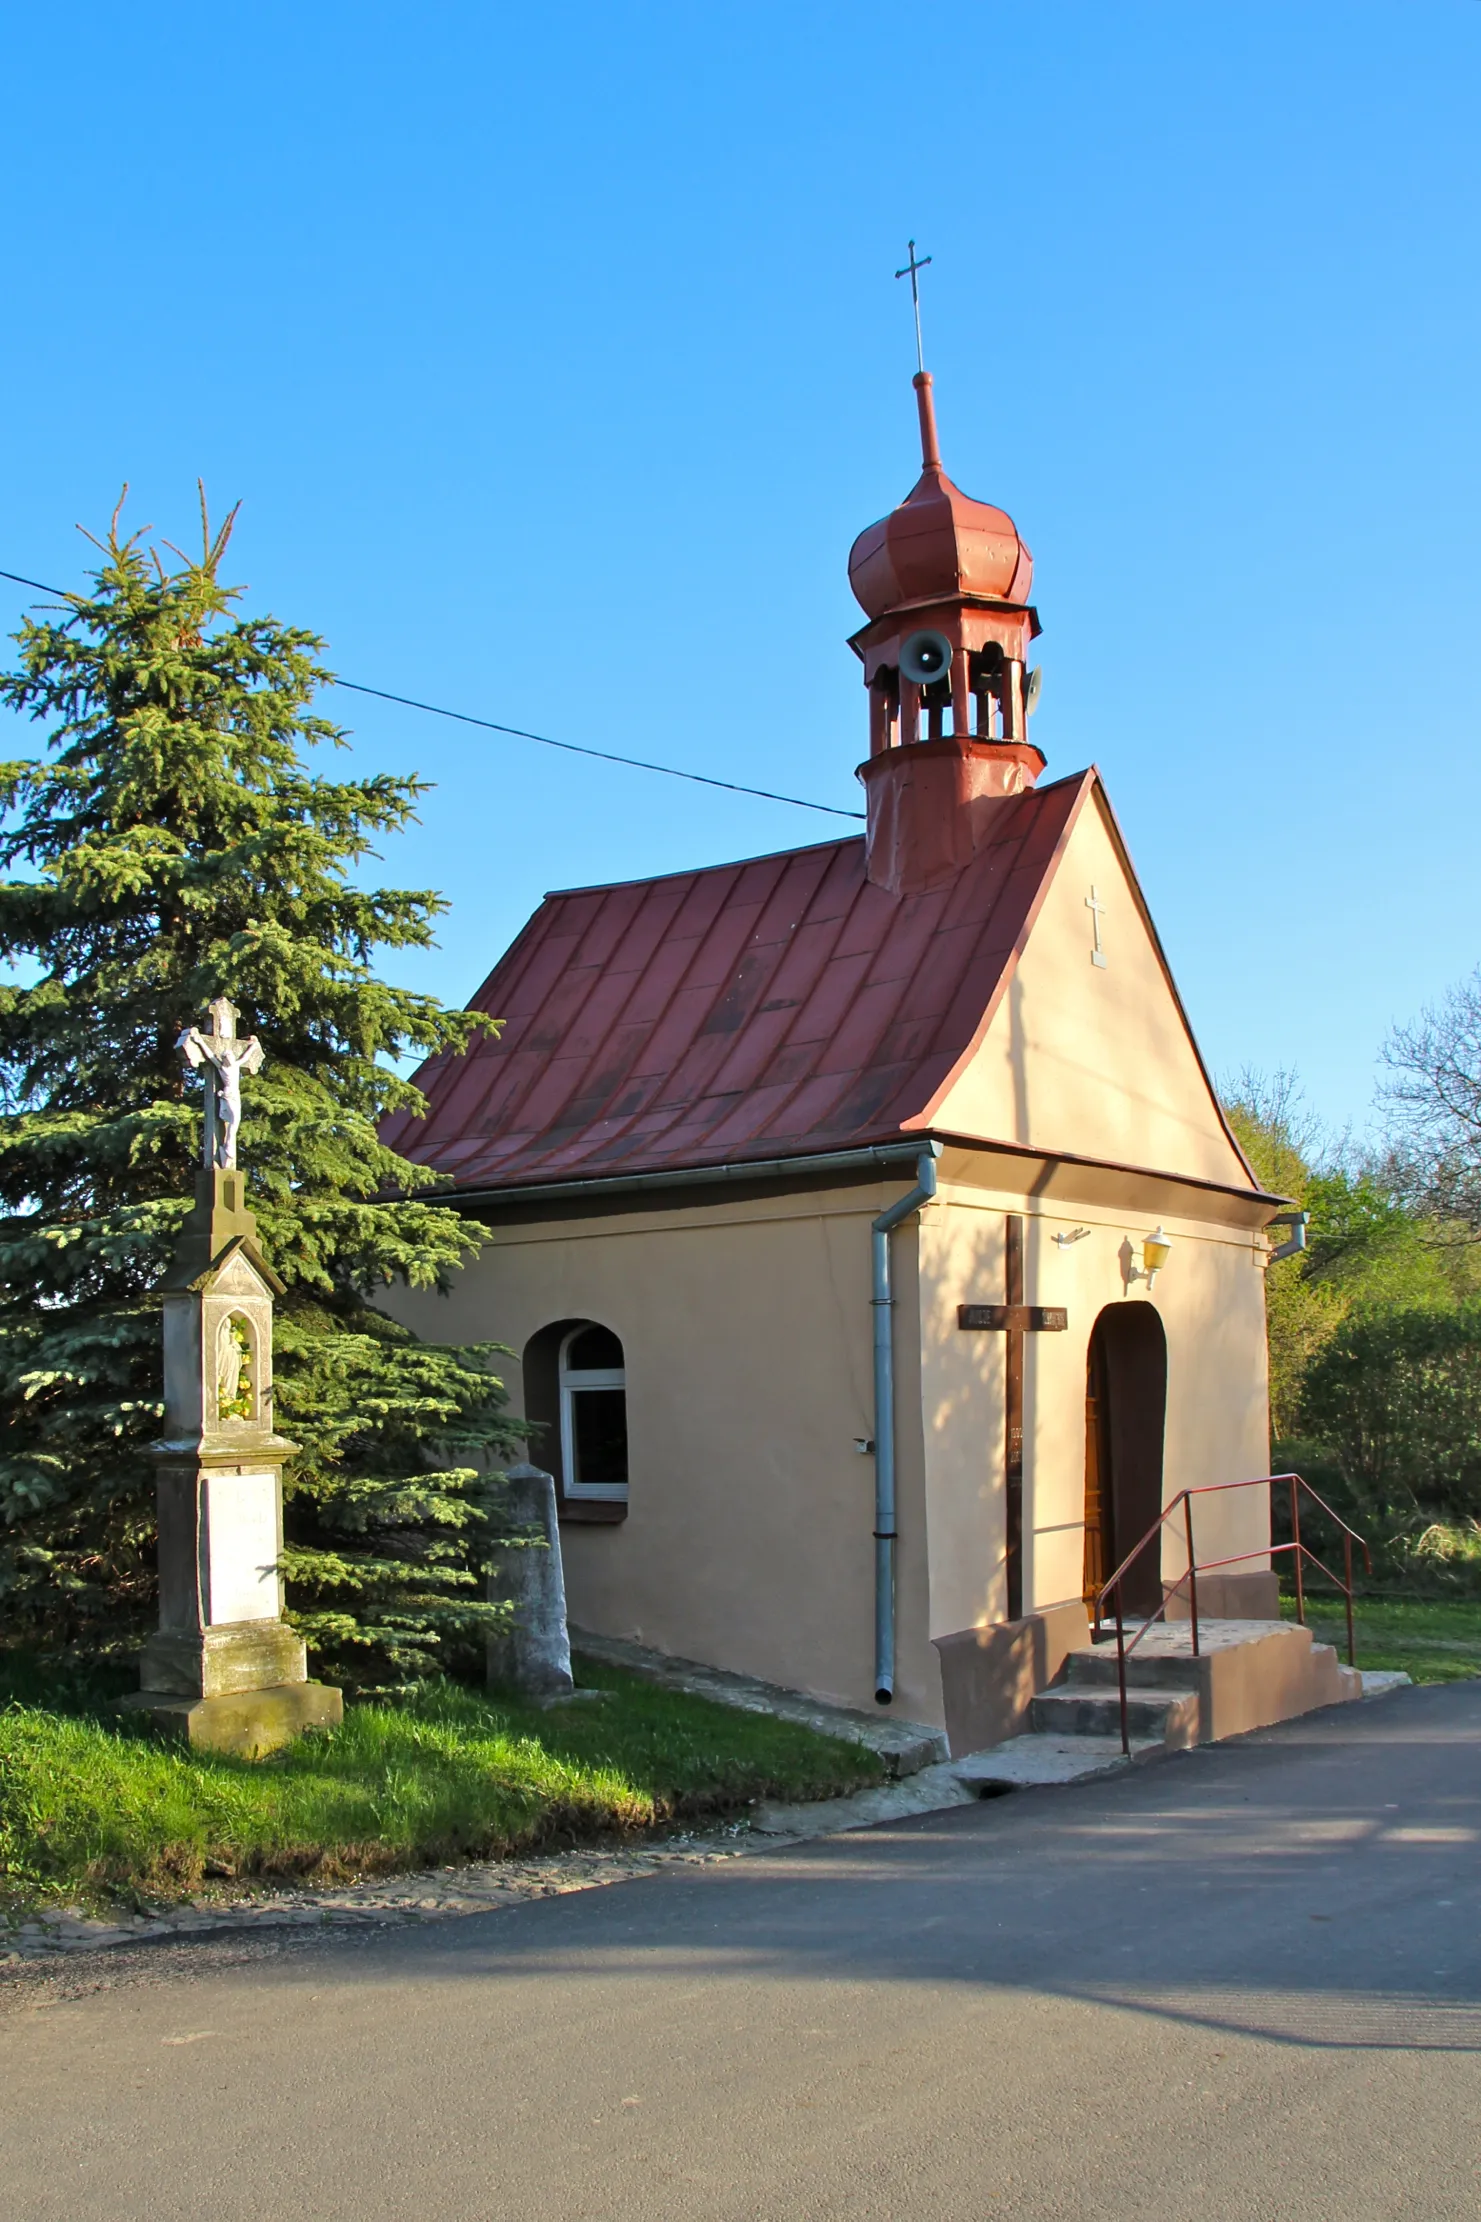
(172, 844)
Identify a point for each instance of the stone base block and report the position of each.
(990, 1676)
(215, 1662)
(1251, 1595)
(247, 1722)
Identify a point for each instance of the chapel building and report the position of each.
(875, 1252)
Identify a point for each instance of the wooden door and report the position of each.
(1125, 1411)
(1097, 1475)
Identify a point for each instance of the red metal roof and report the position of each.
(773, 1008)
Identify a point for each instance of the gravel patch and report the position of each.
(435, 1894)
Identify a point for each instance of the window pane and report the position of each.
(599, 1429)
(594, 1349)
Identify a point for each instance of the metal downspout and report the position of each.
(884, 1420)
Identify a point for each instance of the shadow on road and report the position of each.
(1314, 1884)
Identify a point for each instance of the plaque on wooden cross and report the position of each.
(1013, 1319)
(1022, 1318)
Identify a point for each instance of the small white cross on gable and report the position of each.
(1097, 911)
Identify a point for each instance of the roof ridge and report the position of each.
(697, 871)
(777, 1004)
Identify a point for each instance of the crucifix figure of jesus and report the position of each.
(225, 1059)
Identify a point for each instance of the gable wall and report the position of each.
(1211, 1299)
(1089, 1060)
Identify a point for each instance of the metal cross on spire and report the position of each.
(911, 270)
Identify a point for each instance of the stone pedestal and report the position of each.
(531, 1653)
(224, 1670)
(249, 1723)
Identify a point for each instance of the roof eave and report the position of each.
(862, 1159)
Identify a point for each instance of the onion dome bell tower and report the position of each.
(944, 582)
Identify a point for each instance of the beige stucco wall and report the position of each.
(1211, 1300)
(1094, 1060)
(746, 1328)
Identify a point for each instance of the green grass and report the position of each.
(92, 1805)
(1429, 1639)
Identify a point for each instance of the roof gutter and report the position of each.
(871, 1159)
(883, 1301)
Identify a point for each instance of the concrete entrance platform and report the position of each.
(1246, 1674)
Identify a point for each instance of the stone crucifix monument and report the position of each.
(224, 1670)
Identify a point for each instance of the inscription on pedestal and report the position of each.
(242, 1547)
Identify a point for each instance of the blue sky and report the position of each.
(556, 359)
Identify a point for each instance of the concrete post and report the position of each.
(531, 1653)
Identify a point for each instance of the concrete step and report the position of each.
(1081, 1710)
(1351, 1679)
(1096, 1669)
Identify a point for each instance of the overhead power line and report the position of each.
(522, 733)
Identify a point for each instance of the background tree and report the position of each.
(1396, 1396)
(1434, 1098)
(169, 846)
(1375, 1330)
(1366, 1247)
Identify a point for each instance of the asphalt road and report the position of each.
(1241, 1983)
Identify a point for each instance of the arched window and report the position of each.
(593, 1413)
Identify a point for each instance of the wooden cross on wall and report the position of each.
(1014, 1319)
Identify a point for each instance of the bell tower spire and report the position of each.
(925, 402)
(944, 582)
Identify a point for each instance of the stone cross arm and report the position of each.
(225, 1058)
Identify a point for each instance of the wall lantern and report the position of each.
(1156, 1250)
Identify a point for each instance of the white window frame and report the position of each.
(572, 1380)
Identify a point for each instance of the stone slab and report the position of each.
(1024, 1762)
(531, 1652)
(904, 1747)
(243, 1545)
(249, 1723)
(929, 1790)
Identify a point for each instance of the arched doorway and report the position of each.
(1125, 1410)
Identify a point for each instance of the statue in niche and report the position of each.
(233, 1370)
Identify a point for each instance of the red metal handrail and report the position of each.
(1299, 1553)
